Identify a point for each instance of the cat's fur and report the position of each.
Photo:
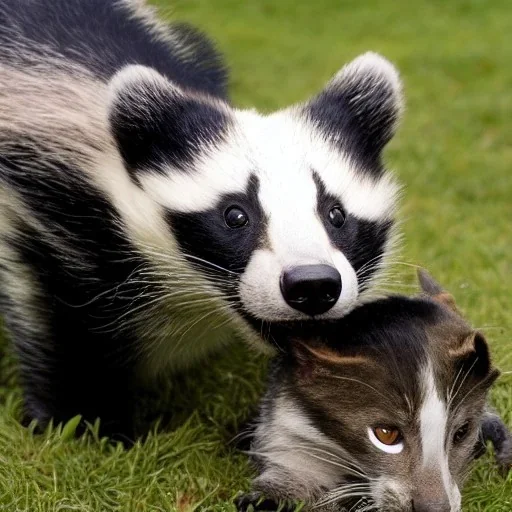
(411, 364)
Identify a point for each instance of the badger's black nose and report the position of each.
(312, 289)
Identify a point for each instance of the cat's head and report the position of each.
(380, 408)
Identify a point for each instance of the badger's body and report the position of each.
(144, 221)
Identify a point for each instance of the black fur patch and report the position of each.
(360, 241)
(257, 502)
(103, 36)
(154, 126)
(205, 234)
(394, 326)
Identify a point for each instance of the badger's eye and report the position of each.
(336, 217)
(235, 217)
(461, 433)
(387, 439)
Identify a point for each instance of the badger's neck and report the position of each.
(178, 332)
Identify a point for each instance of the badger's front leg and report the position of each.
(72, 360)
(59, 386)
(91, 402)
(68, 290)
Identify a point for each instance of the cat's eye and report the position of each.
(461, 433)
(387, 439)
(336, 217)
(235, 217)
(388, 436)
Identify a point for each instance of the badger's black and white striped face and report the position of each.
(295, 206)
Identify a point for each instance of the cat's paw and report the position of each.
(504, 456)
(257, 502)
(494, 429)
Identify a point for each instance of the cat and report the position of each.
(384, 409)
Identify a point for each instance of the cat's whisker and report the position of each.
(450, 391)
(343, 460)
(488, 327)
(343, 466)
(368, 264)
(409, 403)
(339, 491)
(459, 405)
(349, 492)
(462, 383)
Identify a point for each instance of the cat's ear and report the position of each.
(434, 290)
(472, 356)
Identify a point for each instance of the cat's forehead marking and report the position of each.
(433, 420)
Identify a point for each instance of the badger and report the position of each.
(146, 222)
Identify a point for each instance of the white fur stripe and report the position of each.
(291, 445)
(433, 419)
(433, 428)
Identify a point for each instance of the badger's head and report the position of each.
(294, 207)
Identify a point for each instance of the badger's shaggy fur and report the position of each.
(120, 161)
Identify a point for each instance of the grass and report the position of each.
(454, 155)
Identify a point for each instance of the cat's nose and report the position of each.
(312, 289)
(422, 505)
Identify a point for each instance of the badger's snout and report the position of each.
(311, 289)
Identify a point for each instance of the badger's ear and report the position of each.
(360, 107)
(153, 122)
(433, 289)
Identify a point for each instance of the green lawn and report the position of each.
(454, 154)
